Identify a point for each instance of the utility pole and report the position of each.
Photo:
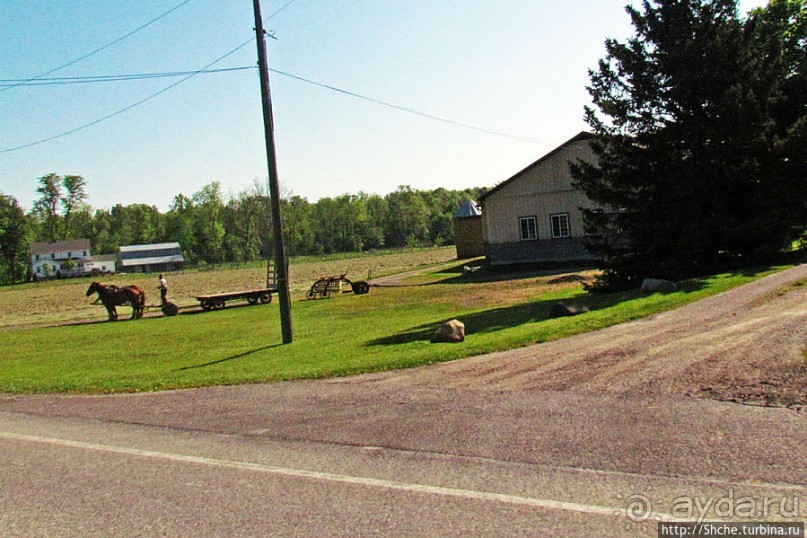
(281, 264)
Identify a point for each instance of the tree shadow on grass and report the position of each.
(226, 359)
(487, 321)
(497, 319)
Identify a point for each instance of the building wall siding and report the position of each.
(540, 191)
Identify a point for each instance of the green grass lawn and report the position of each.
(386, 329)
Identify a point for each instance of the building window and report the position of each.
(529, 228)
(560, 225)
(37, 257)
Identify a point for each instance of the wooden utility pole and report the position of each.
(281, 264)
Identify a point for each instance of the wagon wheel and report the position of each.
(170, 309)
(207, 305)
(252, 299)
(310, 294)
(266, 297)
(360, 288)
(218, 305)
(325, 293)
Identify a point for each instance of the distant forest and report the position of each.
(213, 228)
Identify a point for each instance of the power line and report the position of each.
(133, 105)
(189, 74)
(96, 51)
(287, 4)
(205, 70)
(58, 81)
(140, 102)
(409, 110)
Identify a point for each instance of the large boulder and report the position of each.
(450, 332)
(562, 310)
(656, 285)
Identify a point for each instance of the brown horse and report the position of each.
(112, 296)
(141, 299)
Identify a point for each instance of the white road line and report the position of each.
(549, 504)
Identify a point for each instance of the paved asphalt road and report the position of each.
(311, 459)
(368, 458)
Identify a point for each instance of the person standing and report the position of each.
(163, 289)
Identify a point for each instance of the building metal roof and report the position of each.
(468, 209)
(150, 254)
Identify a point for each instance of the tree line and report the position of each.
(213, 228)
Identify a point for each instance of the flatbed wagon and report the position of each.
(217, 301)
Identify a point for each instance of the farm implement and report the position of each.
(324, 287)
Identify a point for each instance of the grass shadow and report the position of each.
(497, 319)
(227, 359)
(82, 323)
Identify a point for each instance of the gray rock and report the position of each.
(653, 285)
(450, 332)
(562, 310)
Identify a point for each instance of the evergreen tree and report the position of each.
(700, 121)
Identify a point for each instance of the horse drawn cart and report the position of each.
(217, 301)
(327, 285)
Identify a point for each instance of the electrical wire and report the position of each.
(96, 51)
(205, 70)
(287, 4)
(58, 81)
(189, 74)
(409, 110)
(133, 105)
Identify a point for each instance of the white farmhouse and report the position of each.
(50, 259)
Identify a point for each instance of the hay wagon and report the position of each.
(217, 301)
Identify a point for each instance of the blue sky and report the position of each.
(514, 66)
